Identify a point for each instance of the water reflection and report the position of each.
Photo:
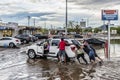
(114, 49)
(115, 41)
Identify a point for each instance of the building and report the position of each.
(83, 23)
(8, 29)
(11, 29)
(29, 30)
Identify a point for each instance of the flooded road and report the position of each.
(114, 51)
(110, 70)
(15, 65)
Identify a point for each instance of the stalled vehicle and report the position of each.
(38, 49)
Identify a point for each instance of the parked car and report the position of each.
(77, 36)
(59, 36)
(95, 41)
(9, 42)
(33, 38)
(24, 38)
(56, 36)
(40, 36)
(38, 49)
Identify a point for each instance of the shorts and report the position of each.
(92, 55)
(61, 53)
(92, 58)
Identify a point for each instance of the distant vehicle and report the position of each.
(38, 49)
(9, 42)
(24, 38)
(40, 36)
(77, 36)
(95, 41)
(33, 38)
(56, 36)
(59, 37)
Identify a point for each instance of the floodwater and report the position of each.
(114, 49)
(110, 69)
(15, 65)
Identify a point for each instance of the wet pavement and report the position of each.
(15, 65)
(109, 71)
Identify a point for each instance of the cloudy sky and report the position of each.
(52, 12)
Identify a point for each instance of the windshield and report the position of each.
(75, 42)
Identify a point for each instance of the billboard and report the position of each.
(109, 14)
(83, 23)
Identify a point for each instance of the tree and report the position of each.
(78, 30)
(118, 30)
(88, 30)
(71, 29)
(96, 30)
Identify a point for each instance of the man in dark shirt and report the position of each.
(87, 50)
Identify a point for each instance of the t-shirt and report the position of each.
(62, 45)
(80, 51)
(86, 49)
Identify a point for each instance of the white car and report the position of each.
(38, 49)
(9, 42)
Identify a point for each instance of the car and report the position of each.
(9, 42)
(40, 36)
(38, 49)
(77, 36)
(56, 36)
(95, 41)
(33, 38)
(24, 38)
(59, 36)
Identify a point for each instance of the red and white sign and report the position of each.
(109, 14)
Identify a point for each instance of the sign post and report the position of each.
(114, 32)
(109, 39)
(109, 15)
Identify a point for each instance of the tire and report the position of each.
(24, 41)
(31, 54)
(11, 45)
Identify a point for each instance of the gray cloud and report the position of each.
(21, 17)
(77, 9)
(95, 4)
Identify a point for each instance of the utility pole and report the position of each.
(66, 20)
(34, 22)
(28, 20)
(109, 39)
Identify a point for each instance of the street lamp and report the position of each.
(66, 20)
(28, 21)
(34, 20)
